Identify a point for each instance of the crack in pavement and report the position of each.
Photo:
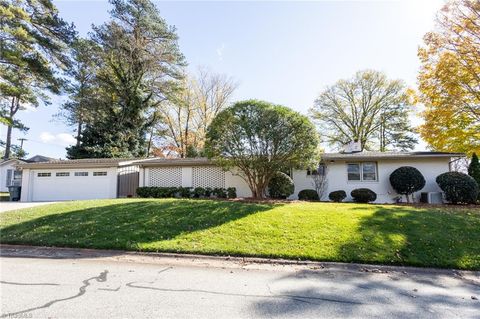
(27, 283)
(102, 277)
(306, 299)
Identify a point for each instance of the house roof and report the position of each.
(387, 155)
(86, 162)
(3, 162)
(157, 161)
(39, 158)
(34, 159)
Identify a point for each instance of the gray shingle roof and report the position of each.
(387, 155)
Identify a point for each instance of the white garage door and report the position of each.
(51, 185)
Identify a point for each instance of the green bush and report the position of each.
(337, 196)
(208, 192)
(219, 192)
(308, 194)
(363, 195)
(474, 170)
(198, 192)
(407, 180)
(157, 192)
(232, 192)
(185, 192)
(280, 186)
(458, 187)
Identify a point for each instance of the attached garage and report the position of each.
(71, 180)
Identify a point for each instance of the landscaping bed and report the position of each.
(429, 236)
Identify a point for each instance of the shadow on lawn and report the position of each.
(123, 226)
(412, 236)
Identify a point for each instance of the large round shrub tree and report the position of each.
(260, 139)
(407, 180)
(458, 187)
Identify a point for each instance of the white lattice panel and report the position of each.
(166, 176)
(208, 176)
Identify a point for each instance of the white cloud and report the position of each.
(220, 51)
(29, 108)
(62, 139)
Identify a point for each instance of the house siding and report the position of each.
(337, 177)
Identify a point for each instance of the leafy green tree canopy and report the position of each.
(260, 139)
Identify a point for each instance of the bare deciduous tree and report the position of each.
(368, 108)
(185, 117)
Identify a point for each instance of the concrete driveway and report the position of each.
(74, 284)
(6, 206)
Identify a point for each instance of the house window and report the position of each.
(81, 173)
(99, 173)
(362, 171)
(62, 174)
(369, 171)
(354, 172)
(44, 174)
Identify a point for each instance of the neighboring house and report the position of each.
(110, 178)
(10, 175)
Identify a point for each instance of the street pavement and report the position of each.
(75, 284)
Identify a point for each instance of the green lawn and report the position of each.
(386, 234)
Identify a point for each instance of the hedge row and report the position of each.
(186, 192)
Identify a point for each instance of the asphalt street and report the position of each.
(132, 287)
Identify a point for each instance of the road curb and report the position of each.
(25, 251)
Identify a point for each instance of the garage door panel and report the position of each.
(71, 187)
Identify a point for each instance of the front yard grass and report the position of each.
(384, 234)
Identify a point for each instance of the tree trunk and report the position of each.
(79, 132)
(8, 142)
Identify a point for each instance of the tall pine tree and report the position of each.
(33, 48)
(139, 64)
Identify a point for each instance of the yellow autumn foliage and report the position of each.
(449, 79)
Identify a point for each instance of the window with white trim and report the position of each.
(365, 172)
(99, 173)
(62, 174)
(81, 173)
(44, 174)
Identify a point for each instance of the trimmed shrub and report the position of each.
(458, 187)
(219, 192)
(407, 180)
(198, 192)
(185, 192)
(474, 170)
(232, 192)
(208, 192)
(157, 192)
(337, 196)
(144, 192)
(308, 194)
(280, 186)
(363, 195)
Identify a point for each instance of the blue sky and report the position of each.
(283, 52)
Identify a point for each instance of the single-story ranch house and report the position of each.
(111, 178)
